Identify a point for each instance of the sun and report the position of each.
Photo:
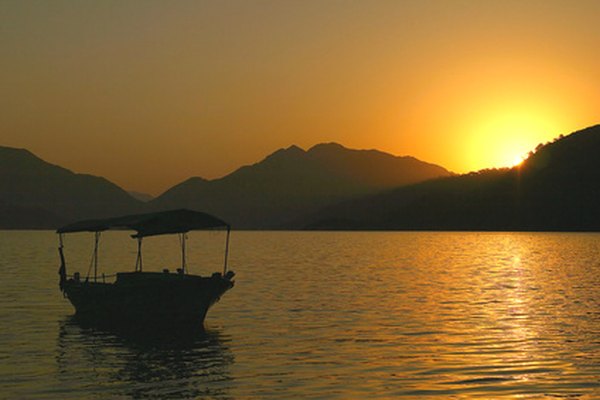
(501, 115)
(503, 140)
(517, 160)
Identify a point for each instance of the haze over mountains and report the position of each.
(292, 183)
(284, 187)
(332, 187)
(557, 188)
(37, 194)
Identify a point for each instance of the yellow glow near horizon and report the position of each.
(508, 142)
(518, 160)
(490, 112)
(505, 137)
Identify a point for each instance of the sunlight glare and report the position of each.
(504, 139)
(517, 160)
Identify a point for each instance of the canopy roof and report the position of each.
(158, 223)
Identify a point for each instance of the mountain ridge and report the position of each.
(556, 188)
(291, 182)
(32, 186)
(286, 184)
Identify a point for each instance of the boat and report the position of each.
(139, 297)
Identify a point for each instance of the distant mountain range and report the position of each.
(35, 194)
(292, 183)
(556, 188)
(286, 186)
(332, 187)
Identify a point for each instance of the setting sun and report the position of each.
(516, 161)
(504, 140)
(492, 111)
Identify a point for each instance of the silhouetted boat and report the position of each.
(139, 297)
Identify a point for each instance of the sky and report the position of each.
(149, 93)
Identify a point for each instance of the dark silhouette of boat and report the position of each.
(161, 299)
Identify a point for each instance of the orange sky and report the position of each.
(148, 93)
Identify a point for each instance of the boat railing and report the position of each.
(101, 279)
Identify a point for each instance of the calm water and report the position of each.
(320, 315)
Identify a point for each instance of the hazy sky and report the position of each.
(148, 93)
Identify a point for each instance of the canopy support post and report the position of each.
(138, 261)
(182, 238)
(62, 271)
(226, 251)
(96, 243)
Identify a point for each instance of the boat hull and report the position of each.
(148, 298)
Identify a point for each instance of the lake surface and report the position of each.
(320, 315)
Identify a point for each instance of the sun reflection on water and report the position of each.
(479, 319)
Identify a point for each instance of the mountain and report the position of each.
(292, 182)
(36, 194)
(556, 188)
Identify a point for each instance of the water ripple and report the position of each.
(324, 315)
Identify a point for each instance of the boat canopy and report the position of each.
(150, 224)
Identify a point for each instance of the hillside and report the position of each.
(556, 188)
(36, 194)
(292, 182)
